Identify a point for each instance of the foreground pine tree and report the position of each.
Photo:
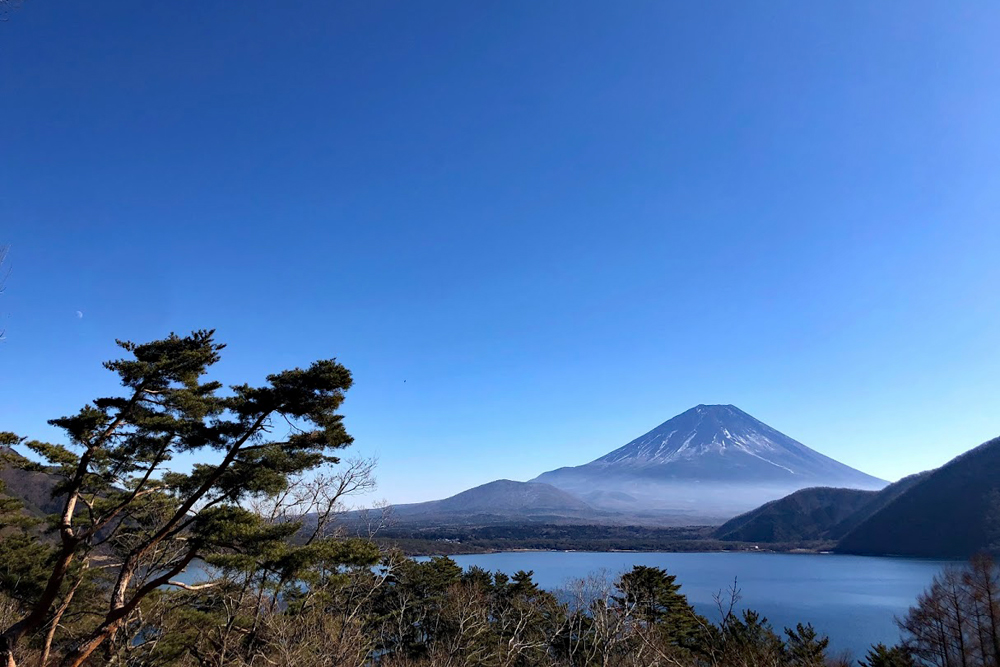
(126, 510)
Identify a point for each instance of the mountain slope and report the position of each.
(813, 514)
(712, 459)
(884, 497)
(720, 441)
(953, 511)
(33, 488)
(808, 514)
(502, 499)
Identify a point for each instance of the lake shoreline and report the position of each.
(453, 539)
(410, 548)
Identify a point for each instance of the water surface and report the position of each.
(853, 599)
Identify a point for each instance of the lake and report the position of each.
(853, 599)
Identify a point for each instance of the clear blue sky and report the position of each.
(533, 230)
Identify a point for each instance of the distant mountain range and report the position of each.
(950, 512)
(703, 466)
(703, 463)
(502, 500)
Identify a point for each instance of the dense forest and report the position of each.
(100, 580)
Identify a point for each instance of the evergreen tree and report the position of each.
(804, 647)
(881, 655)
(410, 606)
(747, 639)
(120, 495)
(655, 599)
(522, 583)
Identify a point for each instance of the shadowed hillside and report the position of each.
(953, 511)
(819, 513)
(884, 497)
(805, 515)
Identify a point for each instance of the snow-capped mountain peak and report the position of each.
(712, 430)
(711, 456)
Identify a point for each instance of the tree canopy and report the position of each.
(123, 500)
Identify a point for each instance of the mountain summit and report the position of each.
(712, 460)
(723, 442)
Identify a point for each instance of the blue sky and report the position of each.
(533, 230)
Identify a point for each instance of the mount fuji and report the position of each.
(711, 461)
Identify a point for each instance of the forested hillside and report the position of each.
(953, 511)
(880, 501)
(805, 515)
(32, 487)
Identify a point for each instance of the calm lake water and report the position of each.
(853, 599)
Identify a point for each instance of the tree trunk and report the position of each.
(12, 635)
(50, 635)
(116, 617)
(985, 568)
(84, 651)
